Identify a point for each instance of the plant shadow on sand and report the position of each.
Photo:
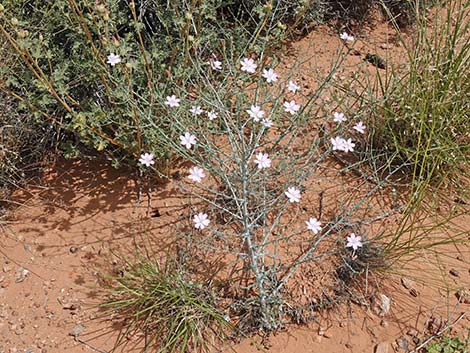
(98, 233)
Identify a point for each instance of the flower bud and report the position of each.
(190, 38)
(22, 34)
(2, 8)
(188, 16)
(268, 6)
(14, 21)
(100, 8)
(281, 26)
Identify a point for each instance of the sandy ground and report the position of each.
(57, 243)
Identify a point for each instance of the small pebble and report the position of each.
(384, 323)
(77, 330)
(71, 306)
(403, 344)
(412, 332)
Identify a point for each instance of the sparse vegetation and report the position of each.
(158, 85)
(419, 114)
(160, 304)
(449, 344)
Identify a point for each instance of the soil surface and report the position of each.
(63, 237)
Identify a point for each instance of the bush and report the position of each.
(449, 345)
(62, 76)
(24, 143)
(252, 148)
(65, 80)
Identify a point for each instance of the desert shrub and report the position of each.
(448, 344)
(251, 154)
(24, 142)
(64, 77)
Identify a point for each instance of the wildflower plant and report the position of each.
(83, 66)
(253, 136)
(250, 168)
(99, 73)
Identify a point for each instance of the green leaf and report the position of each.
(434, 348)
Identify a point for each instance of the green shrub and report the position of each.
(24, 143)
(61, 75)
(449, 345)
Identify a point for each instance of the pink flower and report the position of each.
(147, 159)
(339, 117)
(113, 59)
(255, 113)
(201, 220)
(354, 241)
(267, 122)
(215, 64)
(292, 87)
(337, 143)
(262, 160)
(293, 194)
(188, 140)
(346, 37)
(314, 225)
(360, 127)
(340, 144)
(212, 115)
(172, 101)
(248, 65)
(270, 75)
(196, 110)
(196, 174)
(348, 145)
(291, 107)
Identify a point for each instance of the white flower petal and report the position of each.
(314, 225)
(292, 87)
(113, 59)
(262, 160)
(293, 194)
(248, 65)
(201, 220)
(270, 75)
